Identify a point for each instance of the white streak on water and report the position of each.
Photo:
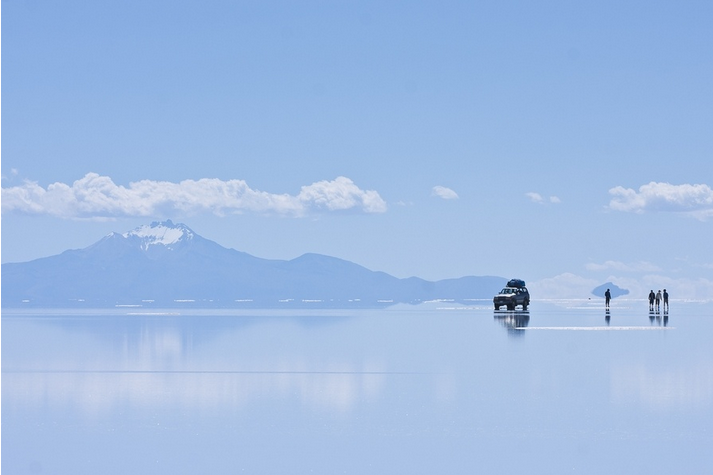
(596, 328)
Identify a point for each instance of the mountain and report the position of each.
(167, 265)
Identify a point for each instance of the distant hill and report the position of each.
(168, 265)
(615, 290)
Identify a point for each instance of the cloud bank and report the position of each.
(563, 286)
(443, 192)
(572, 286)
(642, 266)
(692, 200)
(98, 197)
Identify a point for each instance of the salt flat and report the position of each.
(439, 387)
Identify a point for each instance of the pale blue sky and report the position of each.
(473, 138)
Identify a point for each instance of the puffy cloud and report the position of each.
(443, 192)
(340, 194)
(693, 200)
(95, 196)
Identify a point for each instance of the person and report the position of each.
(607, 298)
(658, 300)
(665, 300)
(652, 296)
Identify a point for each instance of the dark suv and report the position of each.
(513, 295)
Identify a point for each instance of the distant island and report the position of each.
(167, 265)
(614, 289)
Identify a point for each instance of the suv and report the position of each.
(514, 294)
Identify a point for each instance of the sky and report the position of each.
(565, 143)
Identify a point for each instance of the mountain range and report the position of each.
(166, 265)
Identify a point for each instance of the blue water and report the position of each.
(437, 388)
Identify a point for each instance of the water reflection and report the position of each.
(656, 317)
(689, 387)
(514, 320)
(429, 390)
(101, 364)
(104, 392)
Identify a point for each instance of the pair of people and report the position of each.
(657, 298)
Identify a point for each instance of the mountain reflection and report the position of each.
(198, 363)
(107, 391)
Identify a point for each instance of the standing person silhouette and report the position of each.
(652, 296)
(665, 300)
(607, 298)
(658, 301)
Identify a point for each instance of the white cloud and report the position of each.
(340, 194)
(13, 173)
(535, 197)
(445, 193)
(693, 200)
(642, 266)
(538, 198)
(563, 286)
(96, 197)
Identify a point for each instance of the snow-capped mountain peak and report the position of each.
(164, 233)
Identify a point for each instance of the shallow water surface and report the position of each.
(437, 388)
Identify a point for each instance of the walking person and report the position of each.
(665, 300)
(607, 298)
(658, 301)
(652, 296)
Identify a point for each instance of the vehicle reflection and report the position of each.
(514, 321)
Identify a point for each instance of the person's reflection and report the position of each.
(660, 319)
(607, 316)
(514, 321)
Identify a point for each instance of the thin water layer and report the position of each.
(563, 388)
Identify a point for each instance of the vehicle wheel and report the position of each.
(497, 307)
(525, 304)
